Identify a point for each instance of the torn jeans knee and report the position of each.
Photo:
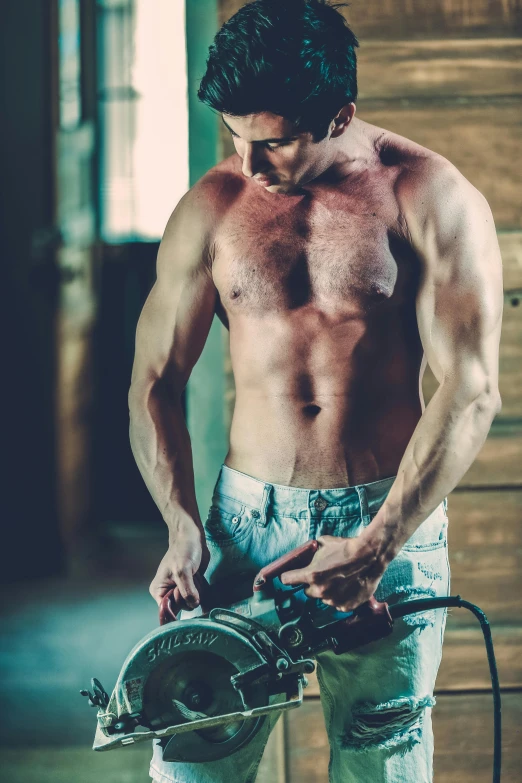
(393, 724)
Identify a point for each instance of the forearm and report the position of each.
(448, 437)
(160, 442)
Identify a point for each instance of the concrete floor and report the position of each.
(57, 634)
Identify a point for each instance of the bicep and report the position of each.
(177, 316)
(460, 296)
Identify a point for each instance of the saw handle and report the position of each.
(173, 602)
(370, 621)
(299, 557)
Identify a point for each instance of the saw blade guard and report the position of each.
(179, 674)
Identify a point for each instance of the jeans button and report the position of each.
(255, 514)
(320, 504)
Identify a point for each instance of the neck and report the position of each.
(354, 151)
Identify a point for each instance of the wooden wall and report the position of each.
(447, 74)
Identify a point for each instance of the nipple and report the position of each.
(378, 290)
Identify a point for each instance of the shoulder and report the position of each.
(201, 209)
(430, 190)
(190, 232)
(423, 178)
(210, 197)
(445, 218)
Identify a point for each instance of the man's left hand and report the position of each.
(344, 572)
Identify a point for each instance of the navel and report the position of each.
(311, 411)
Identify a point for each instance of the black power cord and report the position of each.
(421, 605)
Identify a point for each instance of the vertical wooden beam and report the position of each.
(32, 542)
(272, 768)
(206, 388)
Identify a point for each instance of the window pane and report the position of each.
(69, 63)
(143, 116)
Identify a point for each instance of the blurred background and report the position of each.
(102, 133)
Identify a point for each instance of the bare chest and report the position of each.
(328, 257)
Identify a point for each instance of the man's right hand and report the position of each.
(187, 553)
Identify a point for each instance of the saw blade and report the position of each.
(189, 714)
(189, 686)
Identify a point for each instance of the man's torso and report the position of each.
(318, 292)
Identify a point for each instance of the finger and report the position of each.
(297, 577)
(313, 592)
(159, 589)
(328, 601)
(187, 588)
(345, 607)
(322, 540)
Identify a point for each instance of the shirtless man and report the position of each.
(341, 257)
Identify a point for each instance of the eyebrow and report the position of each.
(259, 141)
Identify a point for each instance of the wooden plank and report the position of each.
(307, 744)
(485, 548)
(399, 19)
(511, 249)
(426, 69)
(463, 728)
(510, 359)
(481, 140)
(483, 519)
(227, 8)
(272, 767)
(74, 418)
(396, 19)
(498, 462)
(464, 663)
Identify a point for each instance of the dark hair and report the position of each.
(293, 58)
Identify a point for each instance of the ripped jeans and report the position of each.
(377, 699)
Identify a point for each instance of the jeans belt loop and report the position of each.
(263, 518)
(363, 500)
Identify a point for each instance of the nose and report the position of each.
(251, 160)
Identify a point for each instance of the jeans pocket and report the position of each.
(227, 521)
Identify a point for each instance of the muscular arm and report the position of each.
(171, 333)
(459, 312)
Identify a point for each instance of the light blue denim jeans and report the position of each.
(377, 700)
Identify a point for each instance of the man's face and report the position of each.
(274, 154)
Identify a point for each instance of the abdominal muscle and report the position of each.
(322, 406)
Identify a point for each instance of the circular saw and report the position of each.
(203, 686)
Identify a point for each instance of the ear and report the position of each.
(341, 121)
